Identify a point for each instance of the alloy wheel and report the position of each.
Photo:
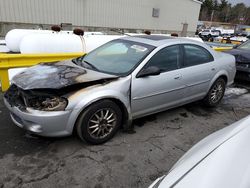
(217, 92)
(101, 123)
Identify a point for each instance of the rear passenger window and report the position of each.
(195, 55)
(166, 59)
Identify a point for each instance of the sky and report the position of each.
(247, 2)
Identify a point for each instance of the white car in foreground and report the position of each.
(221, 160)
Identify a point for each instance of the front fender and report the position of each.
(107, 94)
(80, 100)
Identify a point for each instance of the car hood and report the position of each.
(57, 75)
(241, 55)
(220, 160)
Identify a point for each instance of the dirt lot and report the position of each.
(128, 160)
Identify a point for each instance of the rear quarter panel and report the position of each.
(225, 66)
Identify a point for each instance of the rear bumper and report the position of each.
(41, 122)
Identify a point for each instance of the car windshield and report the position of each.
(118, 57)
(245, 46)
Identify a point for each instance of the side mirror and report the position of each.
(149, 71)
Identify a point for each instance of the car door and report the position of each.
(154, 93)
(197, 70)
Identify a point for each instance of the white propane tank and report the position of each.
(51, 43)
(14, 37)
(62, 42)
(3, 47)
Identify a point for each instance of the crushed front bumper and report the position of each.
(242, 73)
(41, 122)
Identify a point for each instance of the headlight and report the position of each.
(53, 103)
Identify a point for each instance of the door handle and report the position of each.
(213, 69)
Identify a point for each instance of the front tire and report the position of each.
(99, 122)
(215, 93)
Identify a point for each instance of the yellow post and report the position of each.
(4, 77)
(221, 49)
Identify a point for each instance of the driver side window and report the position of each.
(166, 59)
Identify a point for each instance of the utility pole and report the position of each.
(227, 12)
(212, 16)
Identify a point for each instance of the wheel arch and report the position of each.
(221, 74)
(118, 102)
(224, 77)
(208, 99)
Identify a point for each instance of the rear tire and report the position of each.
(99, 122)
(215, 93)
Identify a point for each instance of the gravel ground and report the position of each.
(128, 160)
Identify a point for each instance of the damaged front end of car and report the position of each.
(243, 68)
(43, 86)
(242, 58)
(41, 112)
(44, 100)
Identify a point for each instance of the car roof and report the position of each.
(155, 37)
(154, 40)
(157, 40)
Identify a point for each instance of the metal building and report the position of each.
(130, 15)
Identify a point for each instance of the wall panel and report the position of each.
(131, 14)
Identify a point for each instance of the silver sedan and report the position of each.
(116, 83)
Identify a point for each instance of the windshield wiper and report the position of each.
(89, 65)
(84, 63)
